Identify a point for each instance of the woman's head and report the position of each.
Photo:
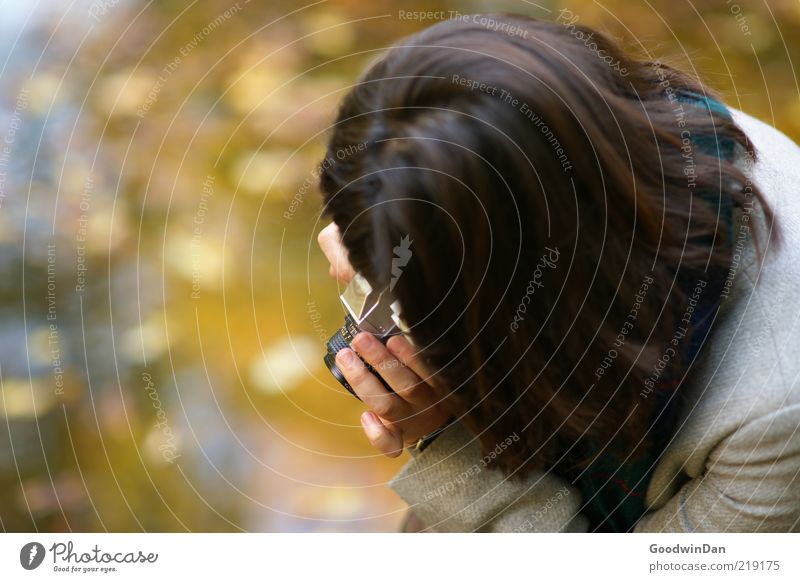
(518, 192)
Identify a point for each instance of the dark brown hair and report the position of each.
(543, 181)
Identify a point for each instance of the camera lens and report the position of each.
(330, 361)
(340, 340)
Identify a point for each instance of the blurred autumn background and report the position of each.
(164, 305)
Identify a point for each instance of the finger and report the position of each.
(385, 439)
(404, 351)
(406, 384)
(368, 388)
(330, 242)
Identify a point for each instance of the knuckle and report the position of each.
(384, 407)
(411, 391)
(357, 374)
(398, 347)
(374, 356)
(370, 349)
(409, 357)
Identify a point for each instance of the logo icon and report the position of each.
(402, 254)
(31, 555)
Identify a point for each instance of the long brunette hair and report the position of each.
(550, 191)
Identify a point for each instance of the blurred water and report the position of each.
(116, 417)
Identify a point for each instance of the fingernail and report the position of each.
(368, 421)
(346, 357)
(394, 344)
(362, 341)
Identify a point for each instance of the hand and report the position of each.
(393, 421)
(330, 242)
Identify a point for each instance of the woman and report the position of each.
(599, 316)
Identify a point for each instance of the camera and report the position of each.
(368, 310)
